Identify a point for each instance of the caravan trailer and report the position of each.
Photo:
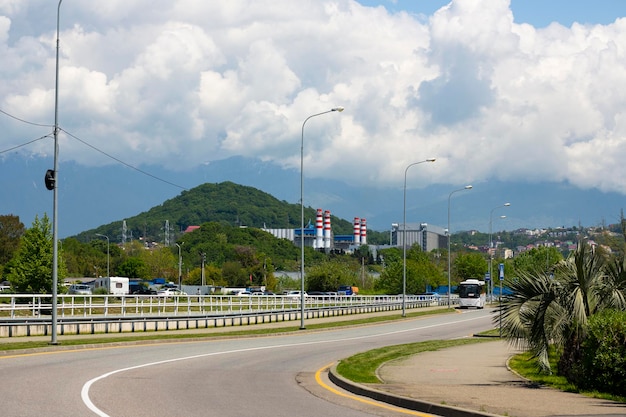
(113, 285)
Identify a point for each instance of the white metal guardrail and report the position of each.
(36, 305)
(28, 315)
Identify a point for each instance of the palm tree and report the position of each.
(551, 308)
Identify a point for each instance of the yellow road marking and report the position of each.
(318, 379)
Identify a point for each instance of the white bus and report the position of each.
(472, 293)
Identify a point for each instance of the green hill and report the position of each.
(226, 203)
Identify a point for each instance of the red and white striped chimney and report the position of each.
(319, 230)
(327, 229)
(363, 232)
(357, 231)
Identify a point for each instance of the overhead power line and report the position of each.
(122, 162)
(23, 144)
(24, 121)
(84, 143)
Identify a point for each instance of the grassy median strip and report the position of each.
(361, 368)
(22, 343)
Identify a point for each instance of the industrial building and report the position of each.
(320, 236)
(428, 236)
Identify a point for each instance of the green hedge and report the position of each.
(603, 365)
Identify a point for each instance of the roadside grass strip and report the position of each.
(362, 367)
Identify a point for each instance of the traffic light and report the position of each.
(50, 179)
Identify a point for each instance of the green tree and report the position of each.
(30, 270)
(11, 231)
(390, 280)
(271, 282)
(421, 272)
(161, 263)
(285, 283)
(133, 268)
(194, 277)
(391, 255)
(419, 275)
(235, 275)
(536, 259)
(469, 265)
(329, 275)
(212, 276)
(90, 259)
(80, 258)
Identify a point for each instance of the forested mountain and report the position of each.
(226, 203)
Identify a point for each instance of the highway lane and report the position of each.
(232, 377)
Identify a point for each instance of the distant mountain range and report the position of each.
(90, 197)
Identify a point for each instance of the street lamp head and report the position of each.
(507, 204)
(338, 108)
(431, 160)
(468, 187)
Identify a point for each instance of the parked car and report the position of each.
(79, 289)
(169, 292)
(319, 294)
(144, 291)
(295, 294)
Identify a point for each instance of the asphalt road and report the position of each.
(260, 376)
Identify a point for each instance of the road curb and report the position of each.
(399, 401)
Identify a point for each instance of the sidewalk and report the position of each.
(473, 380)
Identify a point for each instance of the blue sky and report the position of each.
(538, 13)
(516, 107)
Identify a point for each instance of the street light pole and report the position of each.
(55, 205)
(180, 267)
(404, 236)
(337, 109)
(108, 256)
(467, 187)
(203, 260)
(491, 245)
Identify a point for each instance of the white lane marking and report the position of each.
(85, 390)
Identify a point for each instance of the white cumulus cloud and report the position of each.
(180, 83)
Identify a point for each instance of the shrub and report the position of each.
(603, 364)
(100, 291)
